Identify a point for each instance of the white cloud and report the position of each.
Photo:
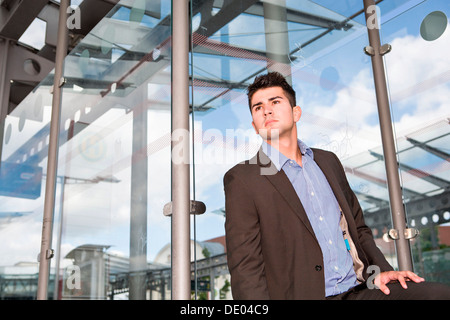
(419, 75)
(418, 81)
(20, 241)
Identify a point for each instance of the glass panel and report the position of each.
(111, 238)
(23, 173)
(417, 69)
(113, 230)
(320, 47)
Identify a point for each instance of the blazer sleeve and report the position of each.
(243, 240)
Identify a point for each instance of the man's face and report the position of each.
(272, 113)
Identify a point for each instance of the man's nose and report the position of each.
(268, 111)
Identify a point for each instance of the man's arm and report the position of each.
(243, 240)
(374, 255)
(363, 234)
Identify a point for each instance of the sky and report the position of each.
(340, 116)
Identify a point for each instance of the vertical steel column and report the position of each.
(4, 88)
(139, 201)
(387, 137)
(181, 268)
(52, 163)
(277, 38)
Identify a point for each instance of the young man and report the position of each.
(297, 231)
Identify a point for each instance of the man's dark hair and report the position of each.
(269, 80)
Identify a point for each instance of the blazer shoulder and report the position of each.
(323, 153)
(243, 167)
(327, 158)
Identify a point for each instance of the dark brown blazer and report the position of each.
(272, 251)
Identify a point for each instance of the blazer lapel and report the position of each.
(282, 184)
(326, 166)
(329, 166)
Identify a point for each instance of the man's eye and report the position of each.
(276, 101)
(257, 108)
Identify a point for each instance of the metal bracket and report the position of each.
(411, 233)
(408, 233)
(385, 48)
(49, 253)
(62, 82)
(369, 51)
(197, 207)
(393, 234)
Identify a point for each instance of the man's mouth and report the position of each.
(268, 122)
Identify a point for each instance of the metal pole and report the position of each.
(4, 88)
(181, 268)
(277, 38)
(52, 163)
(392, 171)
(139, 203)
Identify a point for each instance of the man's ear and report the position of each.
(297, 112)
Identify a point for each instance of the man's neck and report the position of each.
(288, 147)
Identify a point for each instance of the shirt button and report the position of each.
(312, 193)
(318, 267)
(330, 242)
(321, 218)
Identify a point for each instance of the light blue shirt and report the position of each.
(323, 212)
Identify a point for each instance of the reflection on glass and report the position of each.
(111, 238)
(419, 93)
(321, 52)
(334, 84)
(113, 167)
(119, 147)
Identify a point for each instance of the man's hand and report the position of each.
(401, 276)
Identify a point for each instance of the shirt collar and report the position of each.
(279, 159)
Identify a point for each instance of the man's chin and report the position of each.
(269, 134)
